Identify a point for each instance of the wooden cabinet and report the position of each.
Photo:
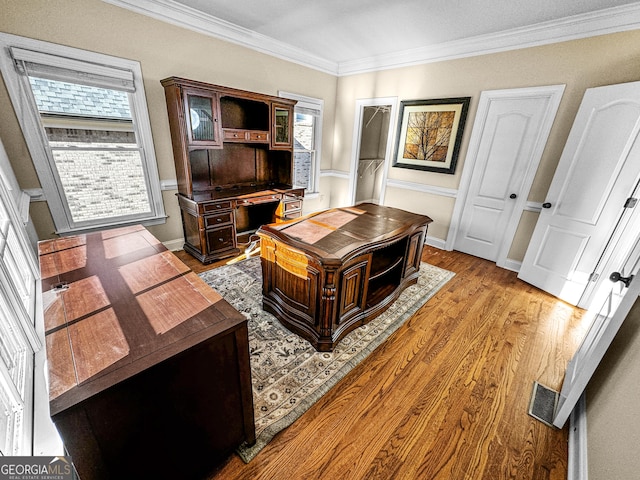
(330, 272)
(235, 148)
(149, 373)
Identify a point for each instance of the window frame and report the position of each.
(21, 321)
(29, 119)
(317, 104)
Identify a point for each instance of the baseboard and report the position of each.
(174, 245)
(577, 465)
(434, 242)
(509, 264)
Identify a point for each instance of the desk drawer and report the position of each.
(292, 215)
(216, 206)
(221, 238)
(216, 220)
(243, 202)
(292, 206)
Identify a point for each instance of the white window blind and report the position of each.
(55, 67)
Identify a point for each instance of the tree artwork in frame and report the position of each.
(430, 133)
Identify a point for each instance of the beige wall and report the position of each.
(163, 50)
(613, 413)
(579, 64)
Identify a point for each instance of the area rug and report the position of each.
(288, 375)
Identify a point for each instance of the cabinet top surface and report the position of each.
(243, 192)
(334, 233)
(115, 303)
(234, 92)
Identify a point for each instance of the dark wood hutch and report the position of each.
(233, 152)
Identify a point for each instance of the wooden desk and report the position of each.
(328, 273)
(148, 366)
(214, 222)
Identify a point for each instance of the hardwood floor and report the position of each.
(446, 397)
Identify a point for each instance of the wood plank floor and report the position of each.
(446, 397)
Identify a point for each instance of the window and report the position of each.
(85, 121)
(307, 140)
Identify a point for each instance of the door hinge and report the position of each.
(631, 202)
(594, 277)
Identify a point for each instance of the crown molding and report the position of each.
(601, 22)
(186, 17)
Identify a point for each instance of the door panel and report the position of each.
(595, 175)
(509, 135)
(615, 303)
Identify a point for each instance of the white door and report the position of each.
(606, 321)
(596, 174)
(509, 135)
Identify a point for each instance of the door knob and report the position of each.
(546, 205)
(513, 195)
(617, 277)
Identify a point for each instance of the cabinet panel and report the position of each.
(202, 111)
(414, 252)
(352, 290)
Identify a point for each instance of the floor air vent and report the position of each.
(543, 403)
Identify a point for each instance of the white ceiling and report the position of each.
(351, 36)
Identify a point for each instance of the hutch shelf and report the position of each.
(233, 153)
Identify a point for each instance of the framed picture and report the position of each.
(429, 134)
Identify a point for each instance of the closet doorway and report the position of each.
(372, 149)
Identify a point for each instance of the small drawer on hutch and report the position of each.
(221, 238)
(259, 136)
(216, 207)
(231, 134)
(220, 219)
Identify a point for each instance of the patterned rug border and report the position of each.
(246, 452)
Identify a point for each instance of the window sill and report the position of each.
(146, 222)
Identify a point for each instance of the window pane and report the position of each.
(101, 183)
(304, 150)
(93, 144)
(303, 131)
(56, 97)
(303, 168)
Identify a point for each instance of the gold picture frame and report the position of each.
(430, 133)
